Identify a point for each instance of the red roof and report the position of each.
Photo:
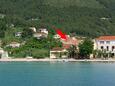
(70, 41)
(66, 46)
(106, 38)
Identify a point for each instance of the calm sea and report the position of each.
(57, 74)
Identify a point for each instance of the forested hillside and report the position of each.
(83, 17)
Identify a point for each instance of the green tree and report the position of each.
(72, 52)
(2, 28)
(99, 54)
(27, 33)
(86, 48)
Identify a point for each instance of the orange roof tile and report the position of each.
(66, 46)
(106, 38)
(70, 41)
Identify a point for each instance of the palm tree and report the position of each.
(102, 54)
(99, 54)
(95, 53)
(105, 54)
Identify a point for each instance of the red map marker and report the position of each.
(61, 34)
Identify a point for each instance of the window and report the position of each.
(102, 47)
(107, 42)
(101, 42)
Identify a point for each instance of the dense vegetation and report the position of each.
(83, 17)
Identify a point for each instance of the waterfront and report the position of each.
(57, 74)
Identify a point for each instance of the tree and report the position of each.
(27, 33)
(100, 54)
(72, 52)
(2, 28)
(95, 53)
(86, 48)
(105, 54)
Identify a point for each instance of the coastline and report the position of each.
(55, 60)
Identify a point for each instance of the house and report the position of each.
(14, 44)
(66, 44)
(69, 42)
(18, 34)
(106, 43)
(43, 30)
(56, 36)
(104, 18)
(58, 52)
(40, 35)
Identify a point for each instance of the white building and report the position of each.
(14, 44)
(40, 35)
(58, 52)
(106, 43)
(18, 34)
(43, 30)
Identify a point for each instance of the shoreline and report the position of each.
(55, 60)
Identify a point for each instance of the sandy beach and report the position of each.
(55, 60)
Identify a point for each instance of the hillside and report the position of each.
(79, 3)
(83, 17)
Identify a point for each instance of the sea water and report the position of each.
(57, 74)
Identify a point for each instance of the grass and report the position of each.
(40, 53)
(24, 52)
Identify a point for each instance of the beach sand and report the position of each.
(54, 60)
